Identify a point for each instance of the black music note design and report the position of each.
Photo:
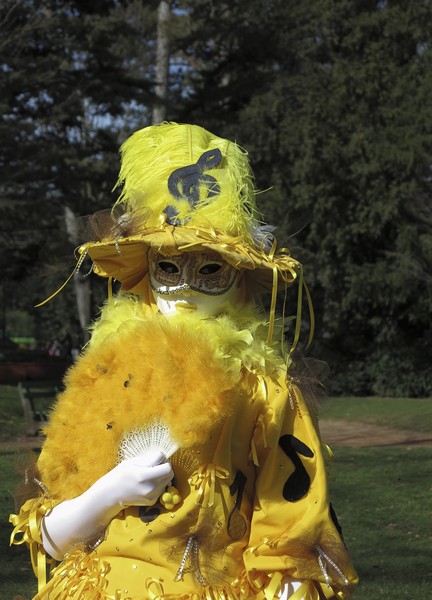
(298, 483)
(148, 514)
(185, 184)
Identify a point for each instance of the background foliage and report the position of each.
(332, 101)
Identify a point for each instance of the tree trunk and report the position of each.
(81, 284)
(162, 63)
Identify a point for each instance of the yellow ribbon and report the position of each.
(204, 480)
(28, 523)
(80, 575)
(76, 269)
(254, 453)
(274, 292)
(258, 424)
(282, 341)
(273, 586)
(151, 582)
(288, 270)
(272, 315)
(328, 454)
(311, 314)
(270, 584)
(241, 587)
(303, 287)
(331, 593)
(306, 591)
(110, 287)
(299, 313)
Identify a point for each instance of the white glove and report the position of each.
(288, 587)
(137, 481)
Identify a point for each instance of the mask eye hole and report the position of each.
(210, 268)
(168, 267)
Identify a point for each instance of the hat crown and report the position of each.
(186, 176)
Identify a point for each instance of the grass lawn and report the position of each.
(382, 498)
(11, 415)
(381, 495)
(413, 414)
(16, 574)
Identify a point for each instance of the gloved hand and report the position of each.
(137, 481)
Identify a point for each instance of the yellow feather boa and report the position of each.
(140, 367)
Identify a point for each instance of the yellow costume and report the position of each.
(249, 504)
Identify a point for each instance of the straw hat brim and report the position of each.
(125, 259)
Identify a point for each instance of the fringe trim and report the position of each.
(79, 576)
(269, 586)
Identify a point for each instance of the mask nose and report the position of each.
(188, 274)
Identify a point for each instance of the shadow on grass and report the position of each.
(382, 500)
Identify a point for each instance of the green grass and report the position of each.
(11, 415)
(381, 496)
(16, 574)
(414, 414)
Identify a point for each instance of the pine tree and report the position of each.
(74, 85)
(331, 100)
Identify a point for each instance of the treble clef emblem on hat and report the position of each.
(185, 183)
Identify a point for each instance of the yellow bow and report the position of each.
(204, 480)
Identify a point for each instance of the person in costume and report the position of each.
(182, 460)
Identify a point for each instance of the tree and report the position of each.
(71, 91)
(162, 63)
(334, 112)
(330, 99)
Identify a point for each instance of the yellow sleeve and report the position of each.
(294, 532)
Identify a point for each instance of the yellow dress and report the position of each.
(250, 469)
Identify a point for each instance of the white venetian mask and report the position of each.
(191, 281)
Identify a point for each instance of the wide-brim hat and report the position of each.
(185, 189)
(124, 258)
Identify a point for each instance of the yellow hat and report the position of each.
(185, 189)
